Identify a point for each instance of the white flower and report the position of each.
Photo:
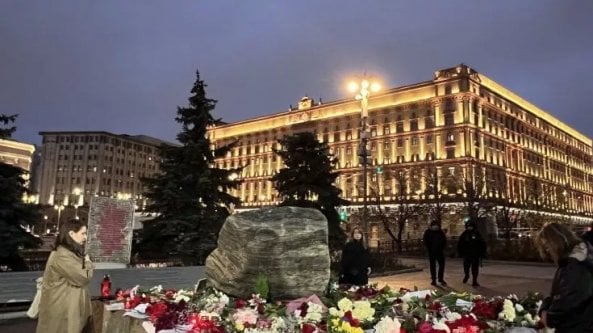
(345, 304)
(405, 307)
(335, 312)
(313, 312)
(452, 316)
(519, 307)
(388, 325)
(278, 324)
(508, 311)
(440, 325)
(363, 311)
(156, 289)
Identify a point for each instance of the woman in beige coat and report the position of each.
(65, 305)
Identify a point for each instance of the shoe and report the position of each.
(443, 282)
(475, 284)
(433, 283)
(465, 279)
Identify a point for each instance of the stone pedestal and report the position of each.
(289, 245)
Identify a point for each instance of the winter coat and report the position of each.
(65, 305)
(471, 245)
(355, 263)
(569, 308)
(588, 236)
(435, 241)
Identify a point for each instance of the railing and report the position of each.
(520, 249)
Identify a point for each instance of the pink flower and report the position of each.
(244, 316)
(425, 327)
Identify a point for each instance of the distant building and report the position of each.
(35, 181)
(17, 153)
(78, 165)
(461, 124)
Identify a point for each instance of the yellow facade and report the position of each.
(458, 121)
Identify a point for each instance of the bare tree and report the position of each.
(405, 209)
(435, 192)
(479, 186)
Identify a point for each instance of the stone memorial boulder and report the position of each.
(289, 245)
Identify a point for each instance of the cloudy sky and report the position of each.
(124, 66)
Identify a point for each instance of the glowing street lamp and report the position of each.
(363, 90)
(77, 193)
(59, 208)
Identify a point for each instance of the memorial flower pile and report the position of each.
(340, 310)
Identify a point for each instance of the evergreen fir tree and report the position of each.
(307, 180)
(190, 195)
(14, 213)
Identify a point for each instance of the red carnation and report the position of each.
(308, 328)
(154, 311)
(240, 303)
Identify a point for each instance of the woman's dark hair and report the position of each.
(64, 239)
(556, 241)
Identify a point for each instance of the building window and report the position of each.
(399, 127)
(414, 141)
(450, 137)
(348, 135)
(450, 152)
(400, 142)
(449, 119)
(428, 122)
(386, 130)
(429, 139)
(414, 125)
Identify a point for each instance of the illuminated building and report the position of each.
(78, 165)
(459, 122)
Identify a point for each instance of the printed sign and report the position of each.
(110, 230)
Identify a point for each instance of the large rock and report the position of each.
(287, 244)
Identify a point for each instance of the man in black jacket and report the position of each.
(472, 248)
(436, 242)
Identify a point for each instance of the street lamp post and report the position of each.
(59, 208)
(363, 90)
(76, 193)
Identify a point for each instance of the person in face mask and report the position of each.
(435, 242)
(472, 248)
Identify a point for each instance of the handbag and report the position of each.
(33, 311)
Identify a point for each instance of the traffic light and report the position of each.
(379, 169)
(343, 216)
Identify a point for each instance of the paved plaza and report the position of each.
(497, 278)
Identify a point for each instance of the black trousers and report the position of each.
(474, 263)
(435, 258)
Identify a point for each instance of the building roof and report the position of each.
(480, 78)
(145, 139)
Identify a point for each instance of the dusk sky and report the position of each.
(124, 66)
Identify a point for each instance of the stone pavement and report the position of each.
(21, 285)
(496, 278)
